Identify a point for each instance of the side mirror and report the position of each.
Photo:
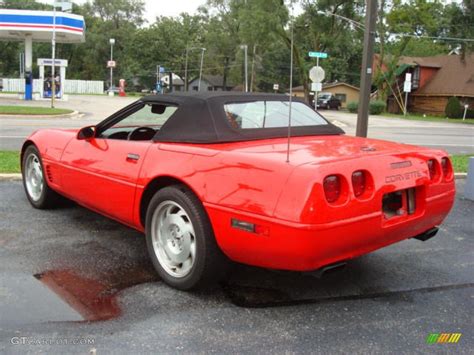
(86, 133)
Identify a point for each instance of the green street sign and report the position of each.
(318, 55)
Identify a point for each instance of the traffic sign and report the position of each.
(162, 69)
(111, 64)
(317, 74)
(276, 87)
(316, 87)
(318, 55)
(407, 86)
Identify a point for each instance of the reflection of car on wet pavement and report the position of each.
(206, 177)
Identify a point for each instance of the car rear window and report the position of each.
(270, 114)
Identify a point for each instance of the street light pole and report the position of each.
(53, 57)
(366, 70)
(186, 71)
(112, 42)
(200, 70)
(245, 48)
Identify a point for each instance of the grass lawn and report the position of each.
(31, 110)
(9, 162)
(460, 163)
(430, 118)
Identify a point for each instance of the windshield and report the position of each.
(271, 114)
(324, 96)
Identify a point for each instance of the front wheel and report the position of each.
(37, 190)
(180, 240)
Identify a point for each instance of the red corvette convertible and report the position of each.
(206, 177)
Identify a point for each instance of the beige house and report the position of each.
(343, 91)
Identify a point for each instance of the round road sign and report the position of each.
(316, 74)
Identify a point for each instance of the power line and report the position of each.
(457, 39)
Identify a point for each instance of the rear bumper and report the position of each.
(306, 247)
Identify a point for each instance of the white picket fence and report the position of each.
(70, 86)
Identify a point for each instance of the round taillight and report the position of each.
(446, 167)
(358, 182)
(432, 168)
(332, 188)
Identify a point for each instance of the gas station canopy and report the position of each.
(18, 24)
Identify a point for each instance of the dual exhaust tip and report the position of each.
(430, 233)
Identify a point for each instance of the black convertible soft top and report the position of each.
(200, 118)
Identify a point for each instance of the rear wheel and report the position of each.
(180, 240)
(37, 190)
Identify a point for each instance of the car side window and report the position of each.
(141, 124)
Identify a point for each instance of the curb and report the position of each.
(17, 176)
(10, 177)
(73, 114)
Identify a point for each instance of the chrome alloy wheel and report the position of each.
(34, 177)
(173, 238)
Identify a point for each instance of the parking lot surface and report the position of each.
(72, 280)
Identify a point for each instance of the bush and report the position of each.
(376, 107)
(352, 106)
(453, 108)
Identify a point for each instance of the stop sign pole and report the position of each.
(316, 74)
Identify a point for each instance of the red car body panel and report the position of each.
(251, 181)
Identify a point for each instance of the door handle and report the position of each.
(132, 156)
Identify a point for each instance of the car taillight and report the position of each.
(432, 168)
(332, 188)
(446, 167)
(358, 182)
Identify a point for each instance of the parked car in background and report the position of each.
(1, 84)
(327, 100)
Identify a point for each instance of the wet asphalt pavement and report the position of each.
(71, 280)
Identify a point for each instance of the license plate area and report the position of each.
(399, 203)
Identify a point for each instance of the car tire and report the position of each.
(180, 240)
(36, 187)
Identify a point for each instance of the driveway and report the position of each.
(72, 280)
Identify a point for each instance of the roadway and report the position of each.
(452, 137)
(455, 138)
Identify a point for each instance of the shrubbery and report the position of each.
(453, 108)
(376, 107)
(352, 106)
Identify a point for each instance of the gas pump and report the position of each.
(28, 85)
(46, 79)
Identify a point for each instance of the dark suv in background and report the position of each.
(328, 101)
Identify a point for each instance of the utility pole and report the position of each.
(366, 70)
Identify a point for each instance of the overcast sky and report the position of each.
(154, 8)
